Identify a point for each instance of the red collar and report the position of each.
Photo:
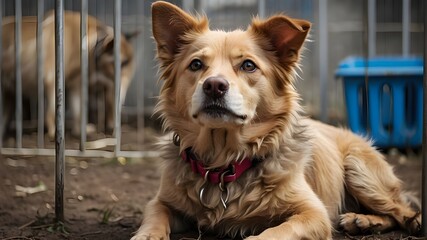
(228, 174)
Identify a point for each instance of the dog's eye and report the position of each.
(125, 62)
(248, 66)
(195, 65)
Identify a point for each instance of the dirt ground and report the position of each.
(104, 198)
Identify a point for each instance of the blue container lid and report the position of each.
(379, 66)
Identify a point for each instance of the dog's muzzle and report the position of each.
(215, 100)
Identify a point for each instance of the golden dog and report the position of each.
(245, 161)
(101, 64)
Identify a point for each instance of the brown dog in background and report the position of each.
(244, 161)
(101, 65)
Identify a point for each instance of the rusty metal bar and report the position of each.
(84, 73)
(18, 73)
(117, 71)
(40, 75)
(59, 111)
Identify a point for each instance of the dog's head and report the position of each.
(241, 82)
(104, 57)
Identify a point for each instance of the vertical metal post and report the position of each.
(261, 9)
(424, 158)
(84, 72)
(406, 27)
(323, 58)
(140, 81)
(18, 73)
(372, 27)
(40, 75)
(117, 71)
(367, 33)
(59, 111)
(2, 119)
(198, 5)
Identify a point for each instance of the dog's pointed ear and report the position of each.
(104, 47)
(284, 34)
(109, 45)
(170, 25)
(131, 35)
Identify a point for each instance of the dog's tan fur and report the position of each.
(310, 171)
(101, 64)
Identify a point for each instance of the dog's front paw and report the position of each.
(150, 236)
(359, 223)
(253, 238)
(269, 236)
(413, 224)
(350, 223)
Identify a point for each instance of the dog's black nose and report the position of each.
(215, 87)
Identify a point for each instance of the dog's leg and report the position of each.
(5, 121)
(309, 221)
(370, 179)
(50, 109)
(8, 106)
(156, 223)
(75, 103)
(110, 107)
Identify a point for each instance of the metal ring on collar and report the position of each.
(222, 183)
(206, 175)
(201, 197)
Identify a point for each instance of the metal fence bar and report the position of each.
(323, 58)
(261, 9)
(140, 84)
(40, 75)
(84, 73)
(2, 119)
(424, 152)
(60, 111)
(18, 73)
(117, 71)
(372, 27)
(88, 153)
(77, 153)
(406, 27)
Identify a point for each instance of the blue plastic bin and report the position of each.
(391, 112)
